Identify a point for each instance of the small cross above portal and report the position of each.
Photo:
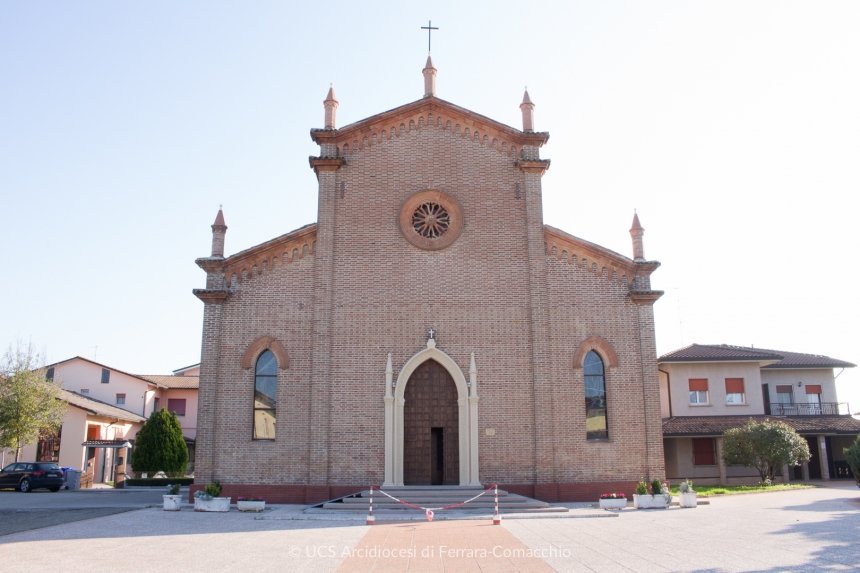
(432, 332)
(429, 27)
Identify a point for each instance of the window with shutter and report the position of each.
(704, 452)
(698, 391)
(735, 391)
(176, 406)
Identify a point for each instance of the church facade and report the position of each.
(429, 328)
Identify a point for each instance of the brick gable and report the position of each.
(342, 294)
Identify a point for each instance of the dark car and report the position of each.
(27, 476)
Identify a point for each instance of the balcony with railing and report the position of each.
(822, 409)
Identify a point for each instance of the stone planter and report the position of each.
(651, 501)
(256, 506)
(172, 502)
(617, 503)
(220, 504)
(687, 499)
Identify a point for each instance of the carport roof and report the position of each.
(98, 408)
(678, 426)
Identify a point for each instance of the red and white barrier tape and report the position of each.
(429, 510)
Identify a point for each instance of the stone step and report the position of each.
(440, 489)
(436, 497)
(434, 500)
(469, 509)
(424, 493)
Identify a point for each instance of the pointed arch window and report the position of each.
(596, 426)
(265, 396)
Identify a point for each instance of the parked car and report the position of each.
(27, 476)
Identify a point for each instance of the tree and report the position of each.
(29, 403)
(852, 455)
(159, 445)
(765, 446)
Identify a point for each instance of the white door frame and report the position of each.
(467, 401)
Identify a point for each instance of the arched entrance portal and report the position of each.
(467, 414)
(431, 444)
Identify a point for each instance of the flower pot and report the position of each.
(616, 503)
(172, 502)
(651, 501)
(687, 499)
(256, 506)
(221, 504)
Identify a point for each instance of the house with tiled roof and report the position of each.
(107, 407)
(706, 389)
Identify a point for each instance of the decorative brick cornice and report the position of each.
(211, 295)
(588, 256)
(429, 112)
(645, 268)
(645, 297)
(325, 163)
(265, 256)
(533, 165)
(211, 264)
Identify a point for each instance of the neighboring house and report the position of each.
(117, 404)
(707, 389)
(94, 437)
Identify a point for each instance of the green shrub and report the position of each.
(642, 488)
(656, 486)
(158, 481)
(173, 489)
(213, 489)
(852, 455)
(160, 446)
(719, 491)
(765, 446)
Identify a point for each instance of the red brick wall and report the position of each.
(366, 292)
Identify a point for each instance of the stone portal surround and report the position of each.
(467, 400)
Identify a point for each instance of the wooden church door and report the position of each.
(431, 450)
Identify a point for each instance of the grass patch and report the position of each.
(709, 490)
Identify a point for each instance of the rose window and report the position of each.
(431, 220)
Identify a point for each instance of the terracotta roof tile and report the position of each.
(716, 425)
(178, 382)
(716, 352)
(99, 408)
(727, 352)
(800, 360)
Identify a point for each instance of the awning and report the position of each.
(107, 444)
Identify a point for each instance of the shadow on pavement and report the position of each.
(18, 520)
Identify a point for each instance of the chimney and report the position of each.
(528, 109)
(429, 78)
(636, 232)
(330, 109)
(219, 230)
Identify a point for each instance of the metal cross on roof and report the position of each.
(429, 27)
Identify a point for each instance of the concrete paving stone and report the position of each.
(794, 531)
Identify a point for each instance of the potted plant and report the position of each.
(255, 504)
(686, 495)
(613, 501)
(659, 498)
(210, 499)
(172, 501)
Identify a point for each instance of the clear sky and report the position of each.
(733, 128)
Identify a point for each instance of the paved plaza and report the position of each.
(805, 530)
